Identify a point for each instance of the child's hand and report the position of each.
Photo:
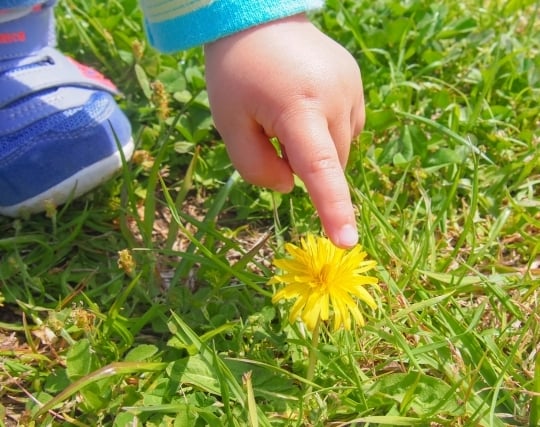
(288, 80)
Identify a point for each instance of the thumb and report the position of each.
(313, 156)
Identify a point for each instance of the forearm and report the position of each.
(180, 24)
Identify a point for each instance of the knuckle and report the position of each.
(321, 164)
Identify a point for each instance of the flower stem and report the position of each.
(313, 352)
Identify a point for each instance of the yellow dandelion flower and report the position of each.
(324, 278)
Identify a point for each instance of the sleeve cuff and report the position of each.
(196, 25)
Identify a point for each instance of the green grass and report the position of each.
(446, 178)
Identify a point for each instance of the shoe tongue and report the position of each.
(28, 34)
(16, 12)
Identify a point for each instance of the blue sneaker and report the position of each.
(60, 127)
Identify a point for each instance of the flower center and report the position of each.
(323, 275)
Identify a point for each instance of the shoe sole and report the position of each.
(78, 184)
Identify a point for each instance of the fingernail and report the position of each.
(348, 236)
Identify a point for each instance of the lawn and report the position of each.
(148, 302)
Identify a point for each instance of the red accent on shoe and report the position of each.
(93, 74)
(16, 37)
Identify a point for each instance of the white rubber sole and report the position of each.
(82, 182)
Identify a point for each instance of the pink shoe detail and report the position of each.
(92, 74)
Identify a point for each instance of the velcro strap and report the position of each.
(34, 109)
(50, 69)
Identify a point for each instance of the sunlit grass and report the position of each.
(446, 181)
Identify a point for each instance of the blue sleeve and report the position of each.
(174, 25)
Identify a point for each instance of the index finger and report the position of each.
(313, 156)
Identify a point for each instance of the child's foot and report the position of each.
(60, 128)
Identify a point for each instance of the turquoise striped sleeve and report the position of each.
(174, 25)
